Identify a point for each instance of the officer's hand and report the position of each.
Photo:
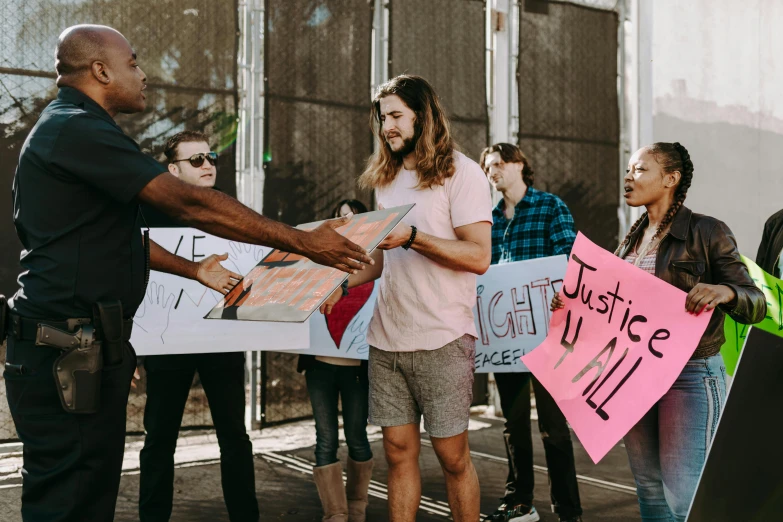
(212, 274)
(326, 308)
(136, 377)
(325, 246)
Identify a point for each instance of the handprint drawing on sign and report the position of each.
(155, 310)
(244, 257)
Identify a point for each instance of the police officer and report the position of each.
(169, 378)
(76, 196)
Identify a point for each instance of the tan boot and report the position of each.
(331, 489)
(359, 475)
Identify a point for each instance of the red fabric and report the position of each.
(346, 309)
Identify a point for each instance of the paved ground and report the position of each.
(284, 459)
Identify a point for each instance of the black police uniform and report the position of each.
(75, 211)
(169, 379)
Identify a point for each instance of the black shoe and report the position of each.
(515, 513)
(572, 519)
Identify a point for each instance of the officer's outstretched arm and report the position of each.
(221, 215)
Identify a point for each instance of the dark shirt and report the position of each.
(542, 226)
(768, 256)
(75, 212)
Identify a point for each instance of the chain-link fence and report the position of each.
(569, 123)
(317, 140)
(187, 48)
(444, 41)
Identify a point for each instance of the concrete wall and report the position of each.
(717, 79)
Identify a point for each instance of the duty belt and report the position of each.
(23, 328)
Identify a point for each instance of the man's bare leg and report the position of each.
(402, 445)
(462, 485)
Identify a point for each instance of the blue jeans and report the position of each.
(325, 382)
(668, 447)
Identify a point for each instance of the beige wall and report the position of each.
(717, 83)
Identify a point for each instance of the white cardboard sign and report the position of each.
(171, 318)
(511, 314)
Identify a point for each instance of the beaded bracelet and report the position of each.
(407, 245)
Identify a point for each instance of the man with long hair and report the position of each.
(422, 335)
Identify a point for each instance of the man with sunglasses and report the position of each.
(169, 379)
(76, 195)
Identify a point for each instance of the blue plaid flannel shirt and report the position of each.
(542, 226)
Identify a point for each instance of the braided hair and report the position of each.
(672, 157)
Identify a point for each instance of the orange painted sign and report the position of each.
(287, 287)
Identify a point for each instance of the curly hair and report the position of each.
(671, 157)
(434, 146)
(510, 153)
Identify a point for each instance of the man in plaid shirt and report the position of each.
(528, 224)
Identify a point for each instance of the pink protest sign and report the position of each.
(614, 350)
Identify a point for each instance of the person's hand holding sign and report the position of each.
(399, 235)
(326, 307)
(557, 303)
(707, 297)
(212, 274)
(325, 246)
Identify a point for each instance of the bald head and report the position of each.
(80, 46)
(98, 61)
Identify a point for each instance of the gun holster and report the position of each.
(77, 372)
(108, 320)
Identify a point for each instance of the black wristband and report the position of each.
(407, 245)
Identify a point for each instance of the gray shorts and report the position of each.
(436, 383)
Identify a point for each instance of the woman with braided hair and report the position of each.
(697, 254)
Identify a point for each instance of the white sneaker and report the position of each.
(530, 516)
(517, 513)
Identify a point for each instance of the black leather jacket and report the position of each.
(702, 249)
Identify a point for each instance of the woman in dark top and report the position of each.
(697, 254)
(327, 379)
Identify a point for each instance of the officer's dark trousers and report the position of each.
(169, 378)
(514, 392)
(72, 462)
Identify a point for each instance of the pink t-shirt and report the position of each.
(421, 304)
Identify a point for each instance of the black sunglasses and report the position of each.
(197, 160)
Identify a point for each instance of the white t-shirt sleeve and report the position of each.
(470, 200)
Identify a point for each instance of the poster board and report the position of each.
(511, 314)
(170, 319)
(287, 287)
(614, 350)
(512, 311)
(736, 333)
(741, 479)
